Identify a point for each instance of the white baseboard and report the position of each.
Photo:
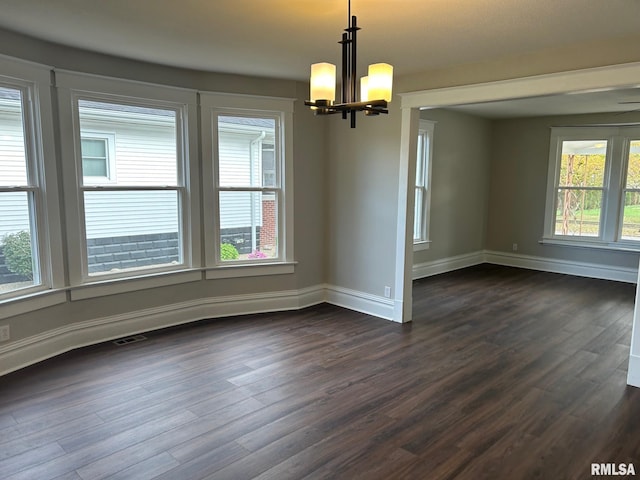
(361, 302)
(581, 269)
(449, 264)
(633, 373)
(28, 351)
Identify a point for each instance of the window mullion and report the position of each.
(613, 195)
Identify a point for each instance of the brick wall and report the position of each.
(132, 251)
(268, 231)
(240, 238)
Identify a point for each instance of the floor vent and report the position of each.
(128, 340)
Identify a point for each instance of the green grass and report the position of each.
(631, 214)
(591, 218)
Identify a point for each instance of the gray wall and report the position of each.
(520, 158)
(459, 184)
(362, 198)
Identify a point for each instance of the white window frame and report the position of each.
(213, 105)
(73, 87)
(422, 211)
(110, 142)
(34, 81)
(617, 153)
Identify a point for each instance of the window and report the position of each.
(98, 156)
(247, 151)
(133, 224)
(268, 165)
(631, 193)
(132, 214)
(423, 185)
(593, 193)
(248, 195)
(30, 240)
(19, 265)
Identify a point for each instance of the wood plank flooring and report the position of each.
(503, 374)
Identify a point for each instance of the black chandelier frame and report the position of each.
(349, 104)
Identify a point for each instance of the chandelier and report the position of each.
(375, 89)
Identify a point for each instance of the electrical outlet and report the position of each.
(5, 333)
(515, 247)
(387, 292)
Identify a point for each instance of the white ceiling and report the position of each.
(281, 38)
(625, 102)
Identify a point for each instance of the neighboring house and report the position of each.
(121, 146)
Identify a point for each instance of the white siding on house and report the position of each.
(14, 206)
(12, 150)
(116, 214)
(145, 155)
(238, 208)
(240, 165)
(239, 160)
(14, 213)
(145, 143)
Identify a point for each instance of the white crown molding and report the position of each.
(609, 76)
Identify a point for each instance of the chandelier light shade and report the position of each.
(323, 82)
(364, 89)
(375, 89)
(380, 81)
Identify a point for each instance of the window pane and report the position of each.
(417, 215)
(420, 161)
(631, 217)
(633, 170)
(578, 212)
(94, 167)
(244, 151)
(13, 163)
(132, 230)
(17, 268)
(94, 148)
(583, 163)
(145, 141)
(248, 225)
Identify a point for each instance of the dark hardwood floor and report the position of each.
(503, 374)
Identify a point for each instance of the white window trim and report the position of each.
(72, 86)
(426, 128)
(110, 140)
(614, 179)
(35, 79)
(213, 104)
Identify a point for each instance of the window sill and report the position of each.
(424, 245)
(131, 284)
(631, 247)
(30, 302)
(254, 270)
